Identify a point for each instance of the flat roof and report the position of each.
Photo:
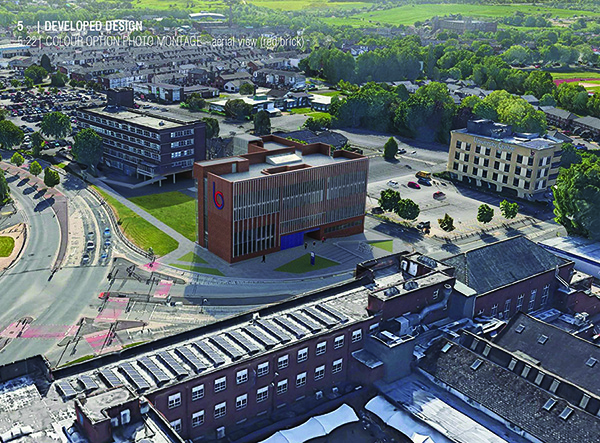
(144, 118)
(535, 142)
(255, 171)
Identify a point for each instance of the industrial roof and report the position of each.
(143, 118)
(571, 363)
(494, 266)
(509, 395)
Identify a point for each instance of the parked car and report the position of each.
(424, 225)
(424, 181)
(393, 184)
(90, 245)
(107, 232)
(86, 258)
(413, 185)
(401, 151)
(377, 210)
(439, 195)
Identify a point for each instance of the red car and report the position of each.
(414, 185)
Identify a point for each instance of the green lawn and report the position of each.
(386, 245)
(297, 5)
(329, 93)
(190, 257)
(201, 269)
(300, 111)
(302, 265)
(409, 14)
(575, 74)
(139, 231)
(199, 5)
(7, 244)
(175, 209)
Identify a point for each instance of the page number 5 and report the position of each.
(20, 25)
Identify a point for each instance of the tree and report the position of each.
(540, 83)
(247, 89)
(407, 209)
(3, 114)
(17, 159)
(262, 123)
(390, 149)
(211, 134)
(577, 198)
(51, 177)
(36, 73)
(37, 142)
(238, 109)
(10, 134)
(87, 147)
(485, 214)
(55, 124)
(318, 123)
(35, 168)
(58, 80)
(446, 223)
(45, 63)
(195, 102)
(547, 100)
(4, 189)
(388, 200)
(509, 210)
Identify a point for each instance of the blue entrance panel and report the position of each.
(292, 240)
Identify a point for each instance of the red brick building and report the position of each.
(282, 190)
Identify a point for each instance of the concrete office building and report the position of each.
(494, 156)
(270, 198)
(143, 143)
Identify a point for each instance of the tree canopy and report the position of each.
(87, 147)
(17, 159)
(390, 149)
(509, 210)
(262, 123)
(10, 134)
(446, 223)
(238, 109)
(55, 124)
(485, 214)
(51, 177)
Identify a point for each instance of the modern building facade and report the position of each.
(490, 154)
(143, 143)
(282, 190)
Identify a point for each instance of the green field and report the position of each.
(7, 244)
(575, 74)
(201, 269)
(408, 15)
(202, 5)
(297, 5)
(138, 230)
(174, 209)
(302, 265)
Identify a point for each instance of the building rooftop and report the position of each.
(494, 266)
(578, 360)
(494, 134)
(143, 118)
(509, 395)
(295, 159)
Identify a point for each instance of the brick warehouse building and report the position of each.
(239, 378)
(282, 190)
(143, 143)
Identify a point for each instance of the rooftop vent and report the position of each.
(446, 347)
(543, 339)
(476, 364)
(591, 362)
(565, 413)
(391, 291)
(549, 404)
(410, 285)
(161, 123)
(520, 328)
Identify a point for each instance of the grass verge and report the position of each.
(7, 244)
(190, 257)
(201, 269)
(386, 245)
(139, 231)
(302, 265)
(175, 209)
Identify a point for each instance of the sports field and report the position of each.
(409, 14)
(198, 5)
(296, 5)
